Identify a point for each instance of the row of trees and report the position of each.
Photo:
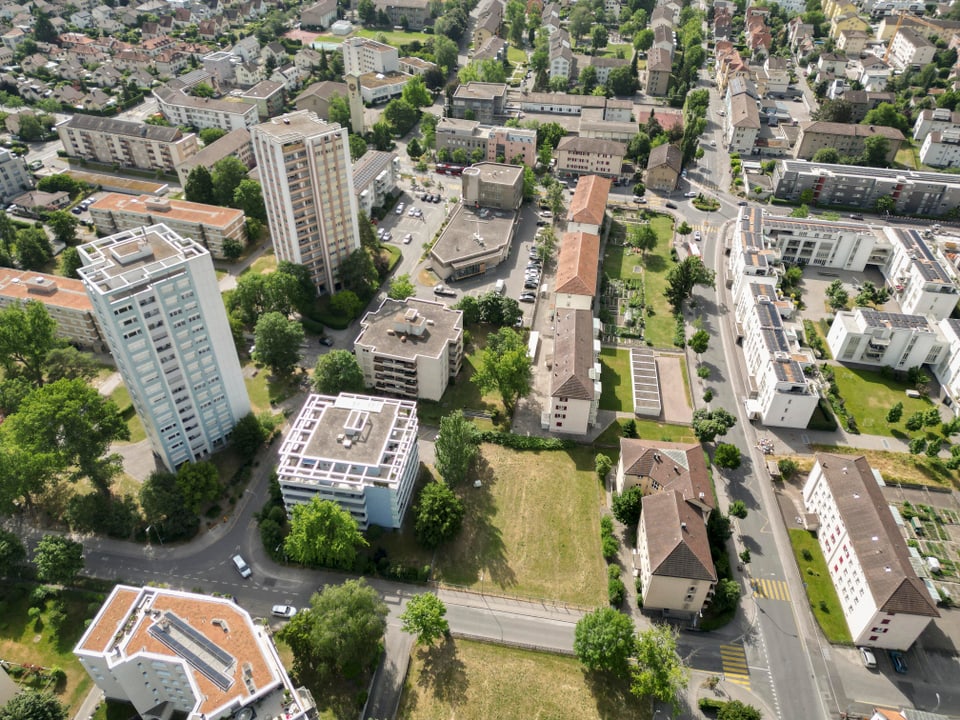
(227, 185)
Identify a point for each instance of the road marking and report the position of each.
(771, 589)
(734, 662)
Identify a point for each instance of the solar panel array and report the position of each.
(162, 631)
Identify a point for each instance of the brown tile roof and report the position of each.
(589, 201)
(573, 355)
(676, 534)
(578, 263)
(666, 154)
(834, 128)
(672, 466)
(156, 210)
(872, 531)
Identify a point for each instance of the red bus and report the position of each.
(450, 169)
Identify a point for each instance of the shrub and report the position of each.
(807, 555)
(787, 467)
(40, 594)
(708, 395)
(703, 372)
(613, 571)
(609, 547)
(524, 442)
(616, 591)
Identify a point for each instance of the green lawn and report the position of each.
(464, 679)
(625, 48)
(531, 529)
(264, 264)
(615, 377)
(392, 37)
(820, 591)
(907, 157)
(869, 396)
(648, 430)
(515, 55)
(24, 642)
(264, 391)
(894, 466)
(122, 399)
(619, 263)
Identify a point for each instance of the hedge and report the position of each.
(524, 442)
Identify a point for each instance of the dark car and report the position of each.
(328, 341)
(670, 205)
(76, 211)
(527, 298)
(425, 197)
(899, 664)
(437, 198)
(856, 216)
(541, 223)
(742, 203)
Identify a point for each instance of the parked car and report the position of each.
(869, 659)
(444, 290)
(284, 611)
(241, 565)
(856, 216)
(77, 210)
(328, 341)
(425, 197)
(546, 214)
(690, 194)
(899, 664)
(742, 203)
(407, 238)
(696, 235)
(399, 210)
(531, 285)
(528, 298)
(670, 205)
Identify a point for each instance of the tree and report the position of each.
(886, 204)
(401, 115)
(588, 79)
(643, 237)
(70, 263)
(165, 509)
(887, 115)
(338, 371)
(455, 448)
(736, 710)
(248, 435)
(415, 93)
(210, 135)
(199, 186)
(358, 274)
(683, 277)
(839, 111)
(12, 553)
(346, 304)
(64, 226)
(875, 151)
(727, 456)
(698, 343)
(27, 335)
(33, 248)
(659, 672)
(895, 413)
(323, 533)
(31, 704)
(579, 22)
(598, 38)
(529, 183)
(278, 341)
(915, 421)
(228, 173)
(870, 294)
(248, 196)
(604, 641)
(643, 40)
(621, 81)
(827, 155)
(626, 506)
(58, 559)
(727, 595)
(401, 288)
(67, 362)
(72, 426)
(339, 110)
(413, 148)
(199, 483)
(424, 617)
(505, 367)
(555, 198)
(708, 424)
(341, 631)
(445, 53)
(438, 514)
(296, 283)
(602, 464)
(496, 309)
(738, 509)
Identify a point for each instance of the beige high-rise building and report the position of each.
(307, 180)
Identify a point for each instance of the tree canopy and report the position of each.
(438, 514)
(659, 672)
(505, 367)
(338, 371)
(58, 559)
(424, 617)
(31, 704)
(278, 341)
(456, 447)
(683, 277)
(604, 641)
(709, 424)
(323, 533)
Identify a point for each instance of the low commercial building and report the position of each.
(493, 185)
(486, 102)
(497, 144)
(375, 177)
(65, 299)
(209, 225)
(575, 374)
(127, 144)
(179, 108)
(846, 139)
(588, 207)
(358, 451)
(473, 242)
(885, 603)
(597, 123)
(884, 339)
(664, 166)
(177, 654)
(15, 177)
(236, 144)
(587, 156)
(411, 348)
(578, 269)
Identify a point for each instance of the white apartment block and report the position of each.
(824, 243)
(741, 123)
(15, 177)
(885, 603)
(355, 450)
(209, 225)
(589, 156)
(156, 298)
(411, 348)
(171, 653)
(936, 120)
(189, 111)
(884, 339)
(375, 177)
(362, 55)
(127, 144)
(947, 370)
(575, 374)
(307, 180)
(910, 49)
(941, 149)
(918, 277)
(65, 299)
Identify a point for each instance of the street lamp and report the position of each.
(159, 537)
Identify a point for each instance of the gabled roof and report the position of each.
(578, 263)
(743, 112)
(672, 466)
(573, 355)
(676, 535)
(589, 203)
(666, 154)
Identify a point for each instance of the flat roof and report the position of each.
(472, 233)
(295, 126)
(377, 79)
(480, 90)
(154, 208)
(409, 328)
(496, 173)
(51, 290)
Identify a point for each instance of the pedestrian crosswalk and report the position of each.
(770, 589)
(734, 662)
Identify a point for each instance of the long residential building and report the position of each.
(846, 139)
(156, 299)
(171, 653)
(496, 144)
(358, 451)
(589, 156)
(209, 225)
(885, 603)
(410, 348)
(375, 176)
(65, 299)
(308, 189)
(578, 270)
(179, 108)
(575, 374)
(127, 144)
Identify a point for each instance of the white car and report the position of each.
(546, 214)
(241, 565)
(696, 236)
(690, 194)
(407, 239)
(412, 212)
(399, 210)
(284, 611)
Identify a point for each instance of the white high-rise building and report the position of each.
(156, 298)
(307, 180)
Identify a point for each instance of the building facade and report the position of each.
(363, 55)
(128, 144)
(375, 177)
(65, 299)
(578, 270)
(485, 102)
(884, 339)
(307, 181)
(15, 177)
(587, 156)
(156, 299)
(358, 451)
(234, 144)
(200, 112)
(493, 185)
(588, 206)
(918, 277)
(846, 139)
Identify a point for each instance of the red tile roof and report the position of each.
(589, 200)
(578, 263)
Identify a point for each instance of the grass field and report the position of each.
(121, 397)
(619, 50)
(648, 430)
(463, 679)
(869, 396)
(515, 55)
(264, 264)
(530, 533)
(618, 262)
(24, 642)
(264, 391)
(617, 391)
(894, 466)
(823, 598)
(396, 38)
